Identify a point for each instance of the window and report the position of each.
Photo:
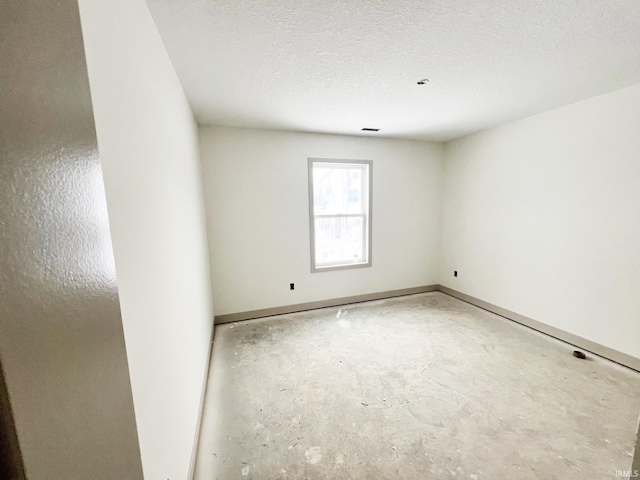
(340, 213)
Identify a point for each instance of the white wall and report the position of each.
(542, 217)
(62, 347)
(256, 194)
(148, 146)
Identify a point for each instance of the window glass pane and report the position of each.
(338, 189)
(339, 240)
(340, 200)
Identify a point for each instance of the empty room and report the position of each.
(377, 239)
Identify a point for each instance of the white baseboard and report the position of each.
(570, 338)
(582, 343)
(196, 439)
(334, 302)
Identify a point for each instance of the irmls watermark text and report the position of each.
(627, 474)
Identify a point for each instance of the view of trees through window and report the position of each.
(340, 225)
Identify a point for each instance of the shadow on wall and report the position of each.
(11, 467)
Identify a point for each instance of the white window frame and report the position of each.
(367, 216)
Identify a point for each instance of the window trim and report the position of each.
(368, 217)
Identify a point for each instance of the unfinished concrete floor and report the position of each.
(417, 387)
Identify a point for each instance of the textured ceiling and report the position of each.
(335, 66)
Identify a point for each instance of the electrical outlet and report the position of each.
(291, 286)
(455, 273)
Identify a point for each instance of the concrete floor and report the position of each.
(416, 387)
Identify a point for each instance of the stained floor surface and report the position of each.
(417, 387)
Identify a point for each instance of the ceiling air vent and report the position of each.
(370, 129)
